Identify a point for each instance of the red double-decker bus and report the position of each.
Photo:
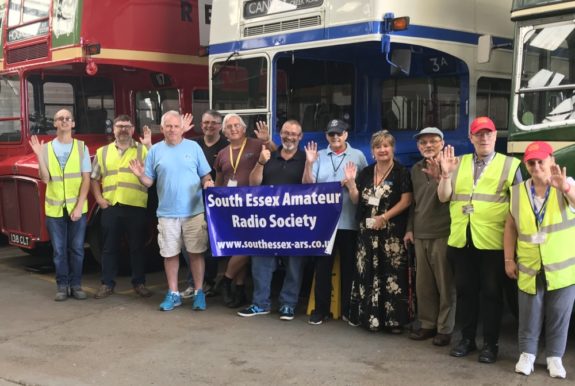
(97, 58)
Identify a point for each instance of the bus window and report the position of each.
(415, 103)
(493, 100)
(240, 84)
(27, 18)
(10, 124)
(152, 104)
(314, 92)
(546, 94)
(89, 99)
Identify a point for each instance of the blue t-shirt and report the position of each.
(330, 167)
(62, 152)
(178, 170)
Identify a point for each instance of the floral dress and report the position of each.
(379, 293)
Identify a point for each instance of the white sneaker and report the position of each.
(188, 293)
(555, 367)
(525, 363)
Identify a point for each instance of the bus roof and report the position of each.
(535, 8)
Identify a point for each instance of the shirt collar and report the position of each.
(132, 143)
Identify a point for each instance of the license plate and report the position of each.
(20, 240)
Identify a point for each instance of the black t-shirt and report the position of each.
(278, 171)
(212, 151)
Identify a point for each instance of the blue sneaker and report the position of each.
(199, 301)
(171, 301)
(286, 313)
(253, 310)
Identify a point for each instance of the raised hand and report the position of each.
(146, 140)
(187, 120)
(36, 145)
(137, 167)
(262, 131)
(433, 167)
(558, 178)
(264, 155)
(350, 172)
(311, 152)
(448, 160)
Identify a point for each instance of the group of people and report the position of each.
(474, 224)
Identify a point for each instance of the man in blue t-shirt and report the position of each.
(180, 169)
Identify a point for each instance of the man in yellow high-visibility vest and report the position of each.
(477, 186)
(123, 201)
(64, 165)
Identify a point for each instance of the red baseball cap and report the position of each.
(482, 123)
(537, 150)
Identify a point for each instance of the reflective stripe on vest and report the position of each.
(119, 184)
(64, 186)
(490, 200)
(553, 256)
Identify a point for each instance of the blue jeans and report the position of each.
(263, 268)
(68, 243)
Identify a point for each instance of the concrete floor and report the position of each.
(125, 340)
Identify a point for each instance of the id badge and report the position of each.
(232, 183)
(373, 201)
(467, 209)
(538, 238)
(369, 222)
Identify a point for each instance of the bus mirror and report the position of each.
(484, 47)
(402, 58)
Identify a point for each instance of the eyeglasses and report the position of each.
(431, 142)
(207, 123)
(234, 126)
(333, 134)
(288, 134)
(64, 119)
(124, 127)
(533, 162)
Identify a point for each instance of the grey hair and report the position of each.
(172, 113)
(233, 115)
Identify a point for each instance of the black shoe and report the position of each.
(317, 318)
(464, 347)
(225, 288)
(240, 299)
(488, 353)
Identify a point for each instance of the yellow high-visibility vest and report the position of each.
(490, 200)
(63, 188)
(554, 256)
(119, 184)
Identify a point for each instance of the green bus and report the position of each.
(543, 84)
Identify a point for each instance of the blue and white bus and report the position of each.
(400, 65)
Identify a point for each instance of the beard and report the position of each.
(289, 146)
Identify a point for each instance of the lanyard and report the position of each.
(236, 163)
(541, 213)
(375, 183)
(476, 180)
(335, 169)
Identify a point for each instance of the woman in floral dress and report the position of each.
(383, 192)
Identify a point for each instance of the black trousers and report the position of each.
(479, 279)
(117, 221)
(345, 244)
